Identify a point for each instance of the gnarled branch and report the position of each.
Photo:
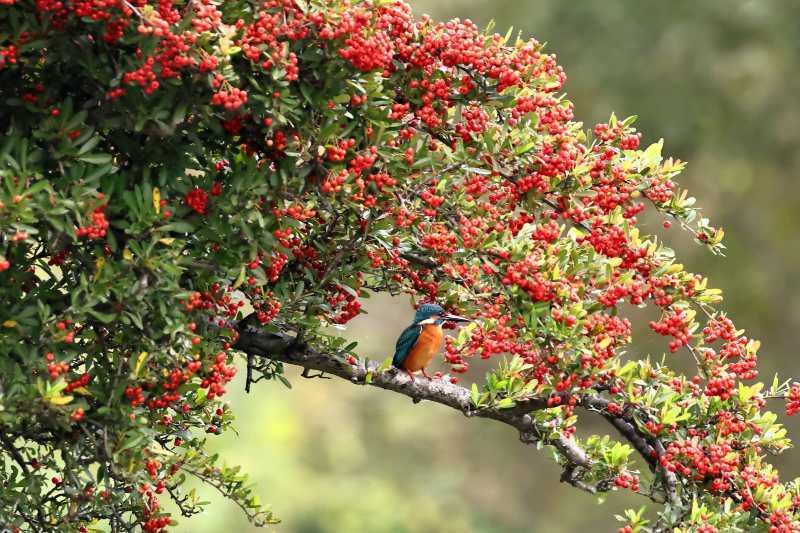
(286, 349)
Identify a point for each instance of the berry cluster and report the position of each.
(98, 227)
(627, 481)
(231, 100)
(793, 400)
(197, 199)
(675, 325)
(347, 304)
(436, 161)
(526, 275)
(55, 369)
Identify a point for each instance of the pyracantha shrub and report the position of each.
(169, 167)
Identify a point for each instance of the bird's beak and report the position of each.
(455, 318)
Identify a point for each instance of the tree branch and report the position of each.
(8, 444)
(650, 448)
(282, 347)
(286, 349)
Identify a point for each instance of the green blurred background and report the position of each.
(720, 81)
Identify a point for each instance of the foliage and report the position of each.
(167, 166)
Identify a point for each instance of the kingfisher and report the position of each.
(423, 339)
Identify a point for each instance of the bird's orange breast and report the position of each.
(428, 345)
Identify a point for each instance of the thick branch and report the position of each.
(286, 349)
(282, 347)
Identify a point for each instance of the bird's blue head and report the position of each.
(426, 311)
(435, 314)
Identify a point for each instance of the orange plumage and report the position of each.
(423, 339)
(427, 346)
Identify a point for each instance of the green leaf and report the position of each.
(102, 317)
(180, 226)
(652, 155)
(88, 145)
(525, 148)
(284, 381)
(131, 442)
(350, 347)
(505, 403)
(386, 364)
(96, 159)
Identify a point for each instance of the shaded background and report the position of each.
(720, 81)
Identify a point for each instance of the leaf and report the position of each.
(60, 400)
(131, 442)
(200, 396)
(157, 199)
(100, 171)
(10, 324)
(304, 90)
(180, 226)
(385, 364)
(96, 159)
(505, 403)
(38, 186)
(652, 155)
(775, 384)
(349, 290)
(88, 145)
(99, 264)
(140, 362)
(350, 347)
(525, 148)
(239, 280)
(136, 319)
(103, 317)
(507, 36)
(747, 392)
(284, 381)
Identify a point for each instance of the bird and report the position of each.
(420, 341)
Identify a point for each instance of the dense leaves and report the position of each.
(169, 167)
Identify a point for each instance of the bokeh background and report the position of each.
(720, 81)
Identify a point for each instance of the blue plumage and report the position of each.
(426, 311)
(404, 344)
(410, 335)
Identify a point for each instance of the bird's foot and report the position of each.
(425, 374)
(410, 374)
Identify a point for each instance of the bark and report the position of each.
(291, 350)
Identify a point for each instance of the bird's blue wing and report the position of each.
(404, 344)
